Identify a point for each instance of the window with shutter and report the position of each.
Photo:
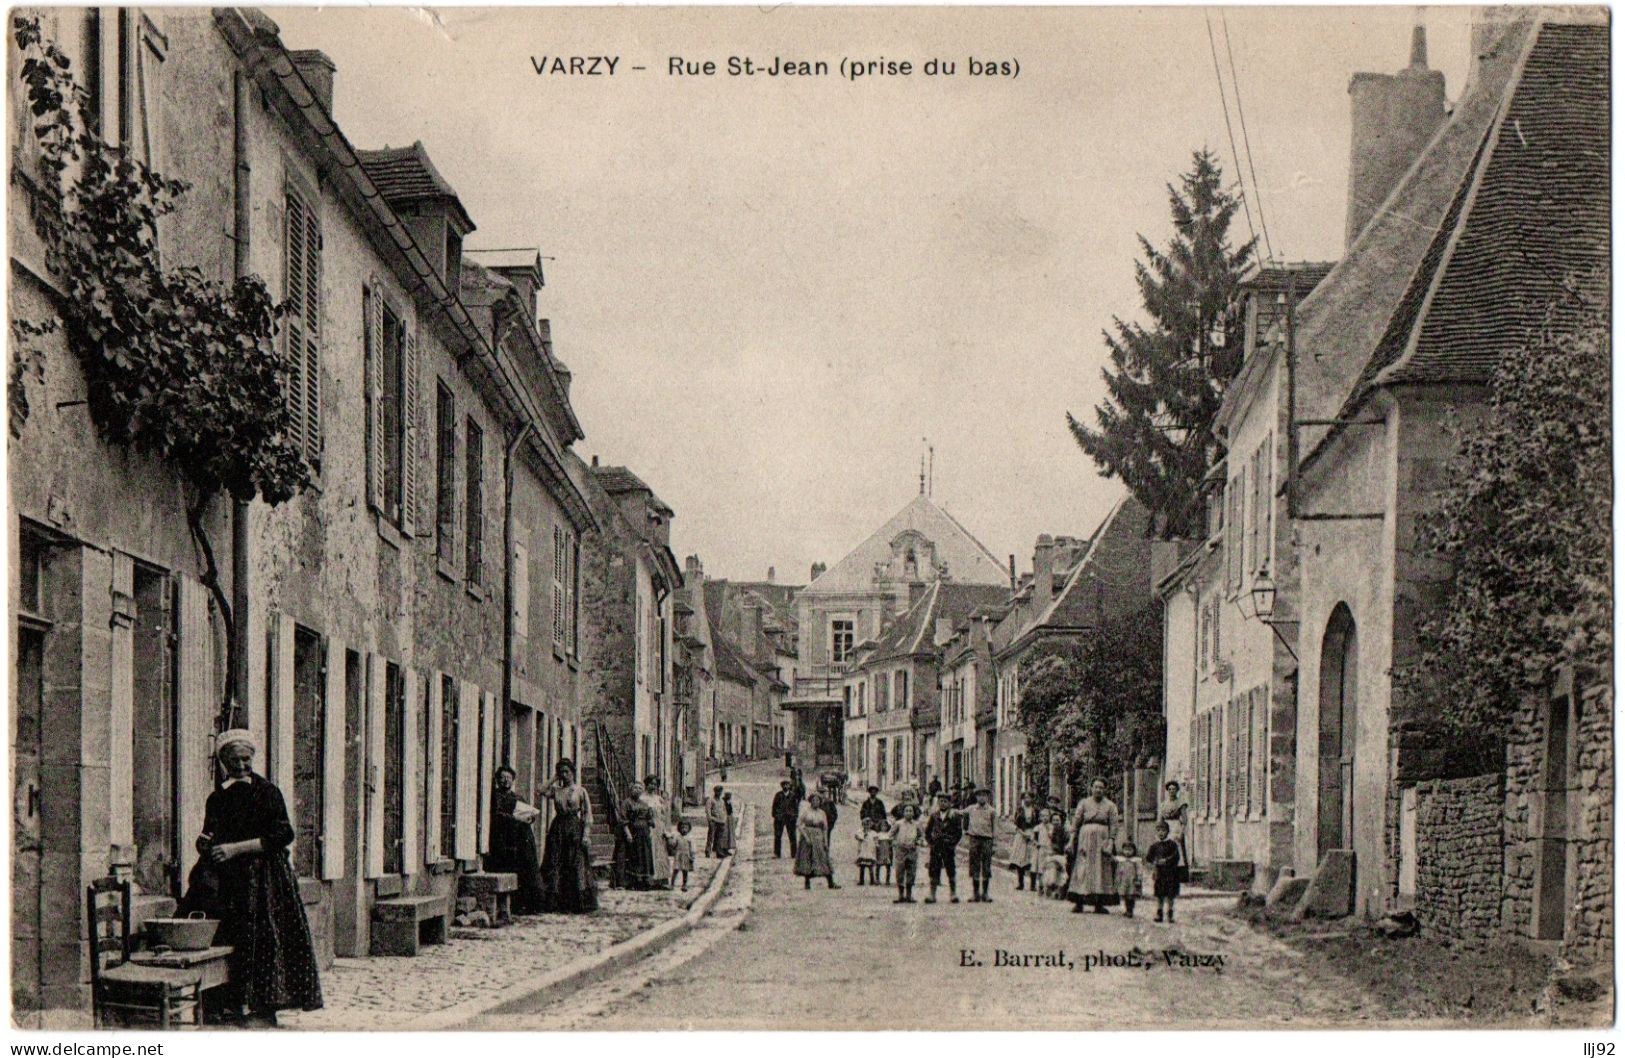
(302, 277)
(573, 584)
(1233, 538)
(392, 417)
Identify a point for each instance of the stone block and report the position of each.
(1231, 875)
(1330, 893)
(1287, 890)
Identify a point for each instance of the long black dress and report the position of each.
(567, 883)
(513, 851)
(640, 857)
(273, 966)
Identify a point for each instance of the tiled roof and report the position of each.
(911, 633)
(619, 479)
(404, 175)
(1531, 213)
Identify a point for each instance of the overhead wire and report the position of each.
(1246, 141)
(1224, 102)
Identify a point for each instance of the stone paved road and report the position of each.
(775, 956)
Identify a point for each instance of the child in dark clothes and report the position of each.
(1163, 856)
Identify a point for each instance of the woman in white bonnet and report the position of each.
(245, 839)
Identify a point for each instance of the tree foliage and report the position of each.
(177, 365)
(1524, 524)
(1095, 705)
(1167, 378)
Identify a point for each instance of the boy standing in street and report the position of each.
(716, 818)
(942, 833)
(979, 823)
(907, 837)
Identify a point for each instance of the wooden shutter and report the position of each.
(1267, 534)
(468, 747)
(375, 765)
(311, 351)
(411, 425)
(1261, 752)
(121, 702)
(573, 590)
(279, 754)
(194, 702)
(373, 350)
(411, 771)
(487, 774)
(559, 572)
(333, 745)
(431, 772)
(295, 232)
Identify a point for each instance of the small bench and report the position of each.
(493, 891)
(400, 924)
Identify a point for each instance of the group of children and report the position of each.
(1042, 853)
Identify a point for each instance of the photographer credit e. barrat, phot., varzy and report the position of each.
(686, 517)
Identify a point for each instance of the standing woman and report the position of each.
(1175, 811)
(1094, 826)
(513, 843)
(661, 874)
(812, 843)
(567, 884)
(245, 839)
(639, 835)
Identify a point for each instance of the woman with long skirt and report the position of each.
(812, 843)
(1094, 829)
(513, 844)
(638, 872)
(660, 875)
(245, 839)
(567, 882)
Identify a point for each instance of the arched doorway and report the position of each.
(1339, 664)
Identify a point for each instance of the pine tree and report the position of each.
(1167, 379)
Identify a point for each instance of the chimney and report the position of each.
(1012, 572)
(753, 645)
(817, 571)
(1487, 26)
(527, 281)
(317, 70)
(693, 569)
(770, 574)
(1043, 569)
(1393, 118)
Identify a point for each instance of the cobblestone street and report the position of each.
(785, 957)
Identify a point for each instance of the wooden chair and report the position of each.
(164, 996)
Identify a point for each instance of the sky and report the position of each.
(772, 291)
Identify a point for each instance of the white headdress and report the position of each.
(237, 736)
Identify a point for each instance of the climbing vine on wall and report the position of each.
(177, 365)
(1524, 525)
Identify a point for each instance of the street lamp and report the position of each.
(1262, 596)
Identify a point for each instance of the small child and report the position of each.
(908, 837)
(1128, 876)
(866, 854)
(1163, 856)
(1038, 843)
(1055, 862)
(883, 849)
(681, 849)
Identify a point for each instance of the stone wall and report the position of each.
(1589, 931)
(1458, 857)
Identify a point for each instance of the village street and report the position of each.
(793, 959)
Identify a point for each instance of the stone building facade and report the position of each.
(373, 609)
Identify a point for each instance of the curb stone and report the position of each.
(550, 988)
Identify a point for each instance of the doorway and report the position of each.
(1339, 665)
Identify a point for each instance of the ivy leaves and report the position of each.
(1524, 524)
(179, 366)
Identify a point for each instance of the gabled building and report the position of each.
(1500, 227)
(967, 718)
(903, 669)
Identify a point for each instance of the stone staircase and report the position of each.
(605, 788)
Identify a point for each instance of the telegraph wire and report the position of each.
(1241, 115)
(1224, 102)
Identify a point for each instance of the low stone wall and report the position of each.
(1459, 857)
(1589, 931)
